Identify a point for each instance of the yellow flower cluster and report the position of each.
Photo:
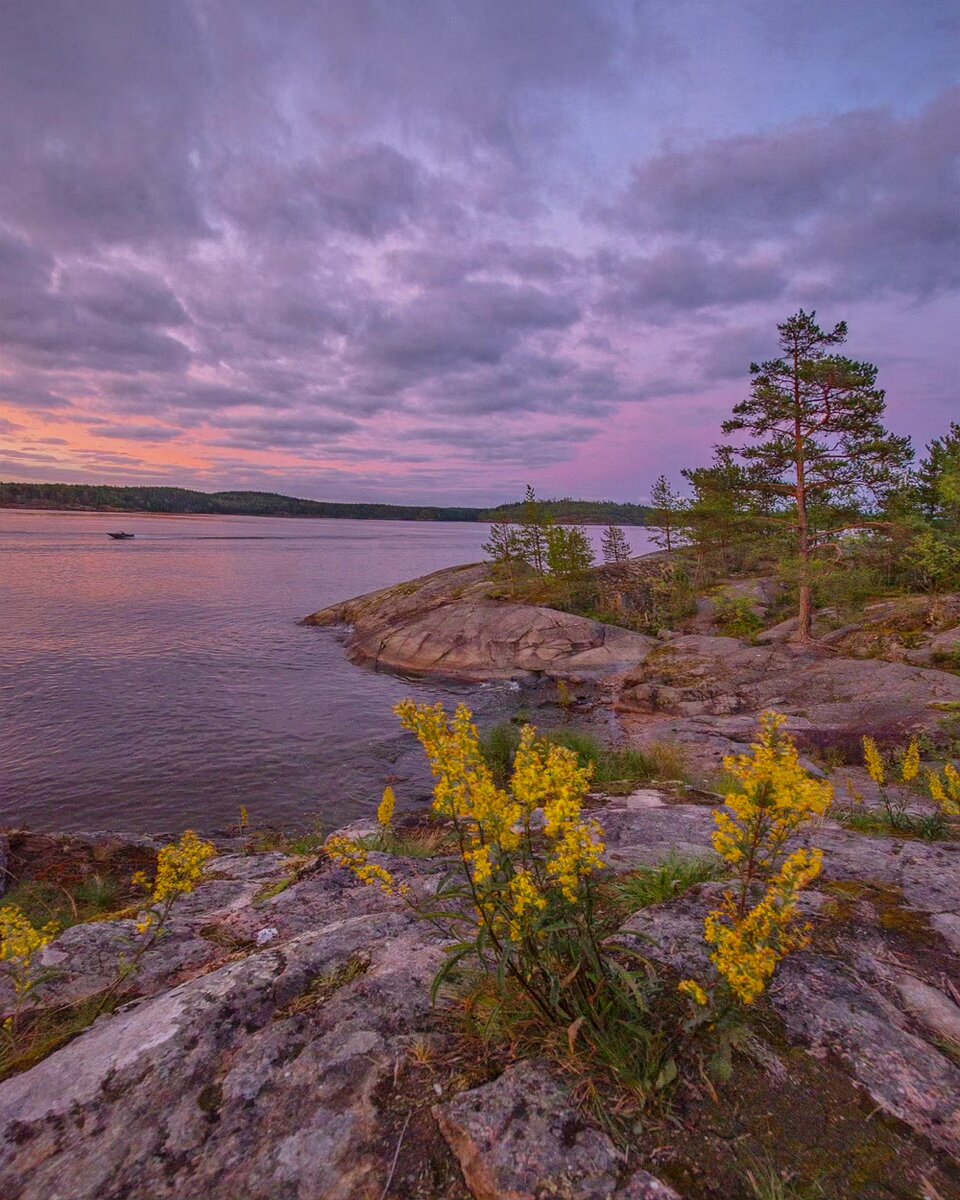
(345, 852)
(20, 943)
(386, 808)
(693, 990)
(577, 853)
(526, 901)
(777, 797)
(493, 819)
(464, 790)
(945, 790)
(910, 763)
(179, 870)
(749, 947)
(873, 761)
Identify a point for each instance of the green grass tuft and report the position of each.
(611, 765)
(670, 879)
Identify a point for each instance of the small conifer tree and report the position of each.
(534, 525)
(667, 510)
(503, 548)
(614, 545)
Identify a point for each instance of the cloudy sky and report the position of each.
(432, 249)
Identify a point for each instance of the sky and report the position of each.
(432, 250)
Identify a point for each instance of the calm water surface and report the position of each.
(162, 682)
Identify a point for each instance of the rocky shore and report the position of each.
(279, 1041)
(282, 1044)
(692, 684)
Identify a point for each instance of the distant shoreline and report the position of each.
(171, 501)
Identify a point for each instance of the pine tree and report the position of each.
(817, 441)
(503, 548)
(569, 551)
(723, 515)
(938, 481)
(667, 508)
(534, 525)
(614, 545)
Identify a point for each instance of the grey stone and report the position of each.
(230, 1084)
(519, 1138)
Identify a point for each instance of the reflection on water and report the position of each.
(164, 681)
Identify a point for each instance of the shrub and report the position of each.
(736, 617)
(933, 562)
(522, 901)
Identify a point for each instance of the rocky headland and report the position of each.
(876, 674)
(279, 1042)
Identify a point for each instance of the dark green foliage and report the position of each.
(269, 504)
(569, 552)
(725, 519)
(503, 548)
(932, 562)
(499, 747)
(610, 764)
(938, 481)
(736, 617)
(532, 533)
(567, 511)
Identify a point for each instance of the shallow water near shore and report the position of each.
(163, 682)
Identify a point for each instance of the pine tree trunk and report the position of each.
(804, 632)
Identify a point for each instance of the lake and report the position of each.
(163, 682)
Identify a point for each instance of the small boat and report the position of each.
(120, 536)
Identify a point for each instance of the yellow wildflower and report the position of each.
(525, 901)
(350, 854)
(750, 945)
(480, 863)
(693, 990)
(244, 820)
(777, 797)
(20, 943)
(465, 790)
(179, 871)
(945, 791)
(910, 763)
(873, 761)
(576, 854)
(385, 811)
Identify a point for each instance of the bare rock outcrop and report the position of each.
(698, 685)
(279, 1066)
(448, 625)
(520, 1138)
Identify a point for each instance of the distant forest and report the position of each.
(575, 512)
(106, 498)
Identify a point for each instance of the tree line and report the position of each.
(270, 504)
